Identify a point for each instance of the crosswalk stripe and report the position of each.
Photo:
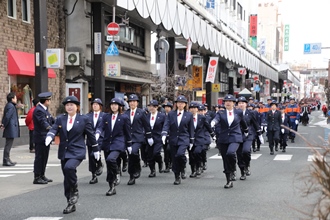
(110, 219)
(255, 156)
(313, 157)
(5, 175)
(31, 165)
(15, 171)
(216, 157)
(43, 218)
(283, 157)
(16, 168)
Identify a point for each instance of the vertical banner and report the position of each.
(286, 37)
(267, 87)
(211, 69)
(188, 53)
(253, 25)
(197, 78)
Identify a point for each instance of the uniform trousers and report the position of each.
(228, 153)
(154, 154)
(69, 169)
(256, 141)
(167, 154)
(283, 138)
(179, 159)
(122, 156)
(31, 142)
(196, 155)
(134, 165)
(144, 152)
(93, 164)
(112, 166)
(273, 138)
(244, 154)
(41, 159)
(293, 126)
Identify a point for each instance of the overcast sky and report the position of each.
(309, 23)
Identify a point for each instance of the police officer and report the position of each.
(201, 139)
(156, 120)
(231, 127)
(244, 150)
(256, 141)
(95, 166)
(293, 111)
(273, 119)
(117, 138)
(284, 132)
(179, 125)
(140, 129)
(168, 106)
(72, 128)
(42, 121)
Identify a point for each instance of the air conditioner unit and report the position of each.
(72, 59)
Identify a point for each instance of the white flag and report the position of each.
(212, 69)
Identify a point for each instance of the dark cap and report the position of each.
(194, 105)
(133, 97)
(201, 108)
(98, 101)
(168, 104)
(116, 101)
(251, 98)
(71, 99)
(229, 97)
(241, 99)
(181, 98)
(45, 95)
(250, 105)
(153, 103)
(273, 103)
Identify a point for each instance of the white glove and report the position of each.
(265, 129)
(261, 139)
(129, 149)
(262, 128)
(214, 138)
(97, 155)
(246, 134)
(48, 140)
(301, 114)
(164, 140)
(212, 124)
(282, 130)
(97, 136)
(150, 141)
(190, 146)
(297, 122)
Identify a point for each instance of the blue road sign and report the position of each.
(112, 50)
(312, 48)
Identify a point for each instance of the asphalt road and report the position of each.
(273, 191)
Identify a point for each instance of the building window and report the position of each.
(11, 8)
(138, 45)
(26, 15)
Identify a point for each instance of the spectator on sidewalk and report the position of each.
(29, 123)
(324, 110)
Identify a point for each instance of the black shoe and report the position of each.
(254, 150)
(46, 179)
(7, 163)
(93, 180)
(117, 180)
(199, 171)
(276, 148)
(258, 148)
(70, 208)
(205, 166)
(99, 170)
(271, 152)
(243, 175)
(136, 175)
(229, 185)
(292, 140)
(281, 147)
(177, 180)
(131, 181)
(183, 174)
(12, 162)
(74, 195)
(167, 170)
(111, 191)
(152, 173)
(283, 150)
(124, 169)
(193, 175)
(39, 180)
(233, 176)
(247, 172)
(160, 167)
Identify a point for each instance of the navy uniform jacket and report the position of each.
(72, 144)
(273, 121)
(42, 121)
(203, 131)
(140, 128)
(10, 121)
(98, 123)
(120, 137)
(210, 115)
(179, 135)
(254, 127)
(233, 133)
(156, 131)
(285, 122)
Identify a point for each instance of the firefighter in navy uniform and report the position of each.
(293, 111)
(156, 120)
(168, 106)
(244, 150)
(201, 139)
(72, 128)
(117, 139)
(140, 129)
(95, 116)
(273, 119)
(231, 127)
(179, 125)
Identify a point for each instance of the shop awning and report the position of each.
(22, 63)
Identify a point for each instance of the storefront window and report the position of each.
(24, 97)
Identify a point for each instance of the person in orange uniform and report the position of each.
(293, 111)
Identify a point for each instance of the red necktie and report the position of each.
(179, 114)
(70, 121)
(194, 119)
(95, 115)
(113, 117)
(230, 113)
(152, 118)
(132, 113)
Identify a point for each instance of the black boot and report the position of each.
(12, 162)
(233, 176)
(177, 179)
(276, 147)
(7, 163)
(94, 179)
(131, 180)
(283, 150)
(160, 167)
(243, 174)
(39, 180)
(74, 195)
(193, 172)
(292, 140)
(70, 208)
(271, 151)
(152, 170)
(199, 169)
(204, 166)
(229, 183)
(117, 180)
(46, 179)
(125, 164)
(99, 170)
(183, 174)
(112, 190)
(167, 168)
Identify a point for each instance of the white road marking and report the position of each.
(16, 171)
(43, 218)
(255, 156)
(283, 157)
(216, 157)
(5, 175)
(31, 165)
(313, 157)
(16, 168)
(110, 219)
